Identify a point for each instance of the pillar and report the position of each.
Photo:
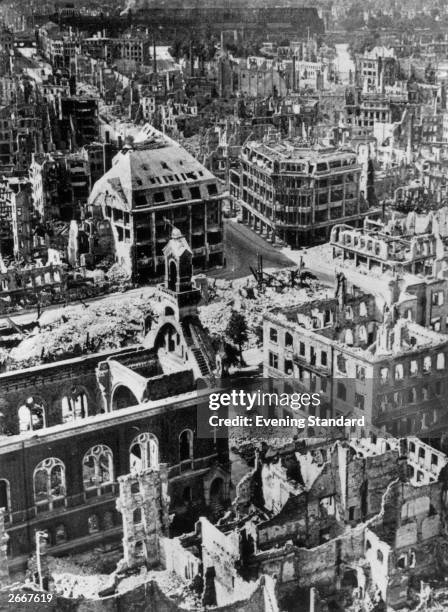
(4, 573)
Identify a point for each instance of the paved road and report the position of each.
(242, 246)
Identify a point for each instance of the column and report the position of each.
(4, 537)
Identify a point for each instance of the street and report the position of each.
(241, 247)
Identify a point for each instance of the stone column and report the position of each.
(4, 537)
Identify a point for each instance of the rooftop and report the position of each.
(151, 162)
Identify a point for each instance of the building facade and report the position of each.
(296, 194)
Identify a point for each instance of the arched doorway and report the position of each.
(123, 398)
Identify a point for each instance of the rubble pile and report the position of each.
(75, 580)
(170, 583)
(102, 326)
(233, 295)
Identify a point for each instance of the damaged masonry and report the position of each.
(318, 523)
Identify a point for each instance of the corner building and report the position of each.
(296, 194)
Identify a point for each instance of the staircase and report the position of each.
(200, 359)
(197, 348)
(216, 508)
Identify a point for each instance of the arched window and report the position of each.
(5, 495)
(93, 523)
(137, 516)
(60, 534)
(32, 415)
(49, 482)
(144, 453)
(74, 405)
(440, 361)
(97, 468)
(186, 445)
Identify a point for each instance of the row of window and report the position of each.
(49, 481)
(32, 414)
(95, 523)
(399, 371)
(411, 395)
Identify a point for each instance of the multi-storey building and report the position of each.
(57, 47)
(133, 48)
(60, 185)
(410, 245)
(363, 361)
(154, 184)
(25, 283)
(15, 214)
(377, 69)
(21, 135)
(297, 193)
(78, 123)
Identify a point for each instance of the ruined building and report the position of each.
(71, 428)
(295, 193)
(364, 358)
(319, 525)
(154, 184)
(144, 506)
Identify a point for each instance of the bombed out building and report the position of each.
(294, 193)
(70, 429)
(153, 185)
(364, 357)
(314, 525)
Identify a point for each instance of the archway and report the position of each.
(217, 490)
(74, 405)
(123, 398)
(186, 445)
(32, 415)
(167, 338)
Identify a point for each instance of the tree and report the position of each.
(117, 275)
(237, 331)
